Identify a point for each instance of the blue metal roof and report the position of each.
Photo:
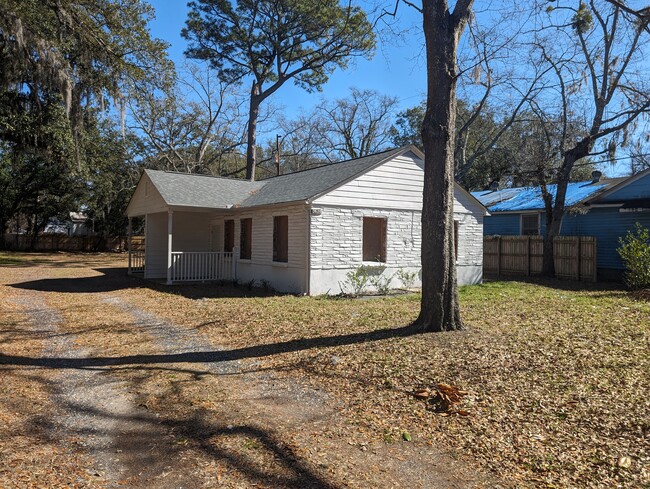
(530, 198)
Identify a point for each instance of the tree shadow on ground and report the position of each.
(149, 443)
(114, 279)
(229, 445)
(215, 356)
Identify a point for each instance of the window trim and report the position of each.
(383, 239)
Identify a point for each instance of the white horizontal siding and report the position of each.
(262, 242)
(146, 199)
(191, 231)
(156, 246)
(396, 184)
(287, 277)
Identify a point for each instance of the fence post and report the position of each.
(579, 260)
(128, 244)
(498, 256)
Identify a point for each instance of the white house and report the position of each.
(300, 232)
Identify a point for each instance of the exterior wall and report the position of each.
(156, 245)
(607, 224)
(283, 277)
(397, 184)
(191, 231)
(145, 199)
(394, 191)
(502, 225)
(337, 243)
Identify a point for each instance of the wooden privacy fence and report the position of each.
(58, 242)
(575, 256)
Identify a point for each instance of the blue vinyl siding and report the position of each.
(635, 190)
(607, 225)
(501, 224)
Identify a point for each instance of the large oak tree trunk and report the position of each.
(439, 309)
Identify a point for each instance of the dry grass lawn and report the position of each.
(557, 378)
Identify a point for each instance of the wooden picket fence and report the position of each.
(58, 242)
(575, 256)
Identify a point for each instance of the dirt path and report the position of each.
(152, 414)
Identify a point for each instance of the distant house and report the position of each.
(301, 232)
(75, 225)
(606, 208)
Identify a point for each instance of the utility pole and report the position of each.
(277, 153)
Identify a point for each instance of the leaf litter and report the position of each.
(553, 378)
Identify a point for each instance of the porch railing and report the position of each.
(136, 262)
(199, 266)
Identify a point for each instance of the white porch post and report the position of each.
(170, 223)
(128, 245)
(233, 264)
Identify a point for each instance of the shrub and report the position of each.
(358, 279)
(355, 282)
(635, 253)
(407, 278)
(381, 283)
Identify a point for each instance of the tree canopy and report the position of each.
(273, 41)
(61, 62)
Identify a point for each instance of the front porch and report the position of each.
(182, 246)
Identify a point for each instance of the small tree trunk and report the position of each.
(440, 310)
(253, 114)
(554, 223)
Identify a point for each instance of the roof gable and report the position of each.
(636, 187)
(309, 184)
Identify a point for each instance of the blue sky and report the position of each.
(397, 69)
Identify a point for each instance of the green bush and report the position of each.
(355, 282)
(407, 278)
(635, 253)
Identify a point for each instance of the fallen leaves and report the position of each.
(556, 377)
(443, 398)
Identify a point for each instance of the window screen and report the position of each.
(245, 239)
(281, 238)
(374, 239)
(529, 224)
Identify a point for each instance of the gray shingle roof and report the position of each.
(307, 184)
(184, 189)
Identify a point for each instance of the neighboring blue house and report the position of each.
(606, 208)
